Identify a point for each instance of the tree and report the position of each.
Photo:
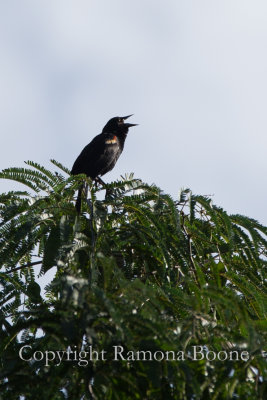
(137, 272)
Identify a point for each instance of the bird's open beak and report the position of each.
(127, 124)
(128, 116)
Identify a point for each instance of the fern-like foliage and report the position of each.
(136, 269)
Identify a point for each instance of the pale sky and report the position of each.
(194, 73)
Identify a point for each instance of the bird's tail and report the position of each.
(78, 203)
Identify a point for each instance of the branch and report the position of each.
(24, 266)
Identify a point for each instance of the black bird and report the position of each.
(102, 153)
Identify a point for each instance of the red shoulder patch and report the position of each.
(111, 141)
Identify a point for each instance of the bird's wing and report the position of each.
(97, 158)
(87, 161)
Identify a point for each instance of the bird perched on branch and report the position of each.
(102, 153)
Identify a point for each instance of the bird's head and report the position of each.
(117, 125)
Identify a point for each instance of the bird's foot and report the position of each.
(98, 180)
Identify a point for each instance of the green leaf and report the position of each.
(51, 249)
(34, 292)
